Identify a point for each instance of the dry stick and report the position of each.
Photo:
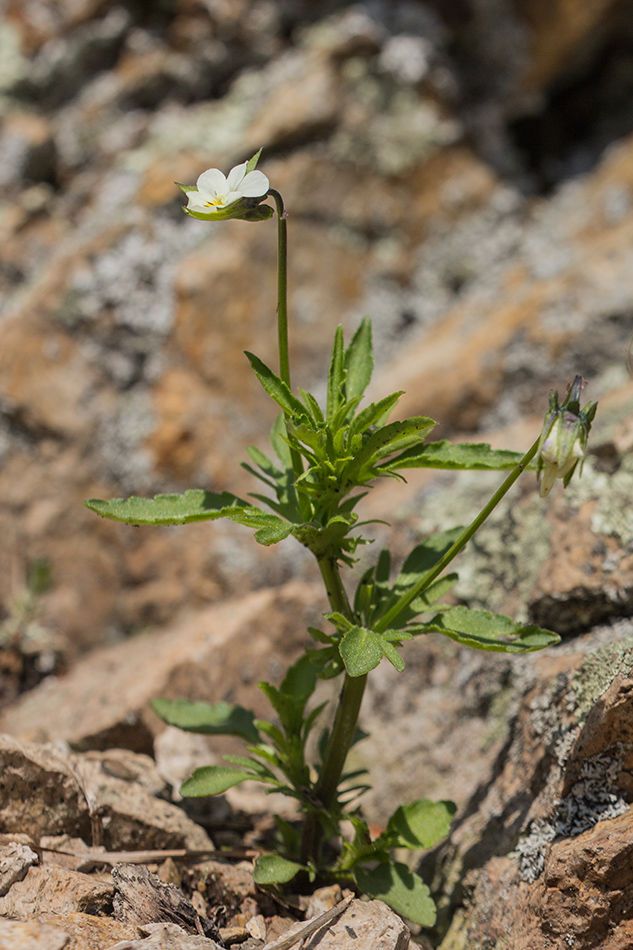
(92, 857)
(284, 943)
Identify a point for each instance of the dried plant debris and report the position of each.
(141, 898)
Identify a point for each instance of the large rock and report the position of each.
(537, 856)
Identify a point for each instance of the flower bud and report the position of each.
(563, 441)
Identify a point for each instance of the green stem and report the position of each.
(282, 287)
(343, 728)
(461, 542)
(282, 309)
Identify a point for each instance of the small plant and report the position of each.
(326, 457)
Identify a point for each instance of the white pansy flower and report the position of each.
(215, 192)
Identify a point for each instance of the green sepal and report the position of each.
(236, 211)
(399, 887)
(251, 164)
(221, 719)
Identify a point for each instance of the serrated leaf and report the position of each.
(276, 388)
(420, 824)
(193, 505)
(219, 719)
(361, 651)
(400, 888)
(273, 869)
(213, 780)
(371, 414)
(336, 375)
(359, 361)
(462, 456)
(483, 630)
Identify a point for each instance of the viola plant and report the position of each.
(325, 459)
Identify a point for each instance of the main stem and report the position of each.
(461, 542)
(343, 727)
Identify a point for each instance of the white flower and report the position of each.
(214, 192)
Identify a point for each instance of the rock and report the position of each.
(83, 795)
(15, 860)
(31, 935)
(366, 925)
(165, 937)
(536, 855)
(58, 891)
(201, 660)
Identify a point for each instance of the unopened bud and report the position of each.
(563, 441)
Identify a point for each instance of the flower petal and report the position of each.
(197, 201)
(212, 182)
(235, 177)
(254, 185)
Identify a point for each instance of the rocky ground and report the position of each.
(463, 174)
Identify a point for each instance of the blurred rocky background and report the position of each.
(459, 170)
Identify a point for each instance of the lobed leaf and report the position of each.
(193, 505)
(462, 456)
(483, 630)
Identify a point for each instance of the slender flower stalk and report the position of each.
(282, 287)
(428, 578)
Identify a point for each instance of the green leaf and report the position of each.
(277, 389)
(400, 888)
(214, 780)
(270, 528)
(484, 630)
(361, 651)
(424, 557)
(194, 505)
(278, 440)
(463, 456)
(374, 412)
(420, 824)
(300, 680)
(359, 361)
(251, 164)
(273, 869)
(392, 654)
(389, 439)
(186, 188)
(221, 719)
(336, 375)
